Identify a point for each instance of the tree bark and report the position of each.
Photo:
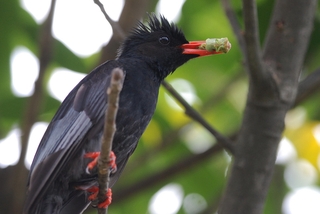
(272, 90)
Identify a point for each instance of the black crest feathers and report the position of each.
(153, 25)
(158, 24)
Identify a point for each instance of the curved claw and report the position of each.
(112, 162)
(94, 162)
(108, 200)
(88, 170)
(94, 190)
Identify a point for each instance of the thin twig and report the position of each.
(308, 86)
(192, 113)
(173, 135)
(113, 92)
(238, 32)
(117, 30)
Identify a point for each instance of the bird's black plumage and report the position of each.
(147, 56)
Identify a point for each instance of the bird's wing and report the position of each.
(81, 110)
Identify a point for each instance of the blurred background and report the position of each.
(176, 168)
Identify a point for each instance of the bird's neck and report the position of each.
(150, 69)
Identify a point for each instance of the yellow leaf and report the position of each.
(305, 142)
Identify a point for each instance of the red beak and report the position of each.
(196, 48)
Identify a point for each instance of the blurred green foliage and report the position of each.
(218, 78)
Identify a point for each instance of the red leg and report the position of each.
(94, 190)
(95, 156)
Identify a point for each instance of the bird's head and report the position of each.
(162, 45)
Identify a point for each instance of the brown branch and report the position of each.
(110, 117)
(192, 113)
(113, 92)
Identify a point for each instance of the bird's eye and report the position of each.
(164, 40)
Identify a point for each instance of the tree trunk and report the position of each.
(272, 91)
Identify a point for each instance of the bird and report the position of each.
(58, 179)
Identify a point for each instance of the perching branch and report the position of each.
(113, 92)
(192, 113)
(110, 117)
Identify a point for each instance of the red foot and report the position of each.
(108, 200)
(93, 163)
(95, 156)
(112, 162)
(94, 194)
